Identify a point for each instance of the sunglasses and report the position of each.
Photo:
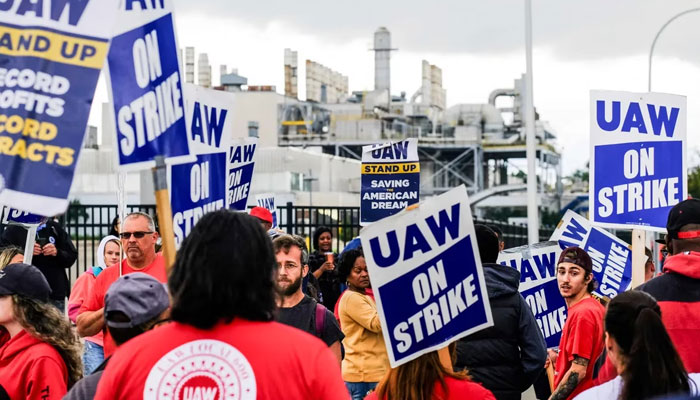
(137, 234)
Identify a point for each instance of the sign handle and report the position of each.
(550, 377)
(29, 243)
(638, 257)
(165, 213)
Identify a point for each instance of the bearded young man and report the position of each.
(582, 336)
(295, 308)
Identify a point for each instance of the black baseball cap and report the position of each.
(139, 296)
(684, 213)
(24, 280)
(578, 256)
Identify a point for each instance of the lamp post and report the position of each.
(533, 225)
(653, 44)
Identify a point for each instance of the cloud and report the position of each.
(589, 29)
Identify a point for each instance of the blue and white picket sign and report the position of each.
(612, 257)
(15, 216)
(146, 87)
(201, 186)
(638, 158)
(549, 308)
(427, 277)
(390, 179)
(267, 200)
(51, 58)
(537, 265)
(240, 172)
(535, 262)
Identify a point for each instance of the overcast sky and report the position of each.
(578, 46)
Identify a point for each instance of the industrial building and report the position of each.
(309, 149)
(472, 144)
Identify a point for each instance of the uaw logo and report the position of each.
(201, 370)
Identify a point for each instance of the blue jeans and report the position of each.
(93, 355)
(358, 390)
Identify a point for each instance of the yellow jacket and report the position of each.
(365, 354)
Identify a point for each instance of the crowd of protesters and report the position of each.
(248, 312)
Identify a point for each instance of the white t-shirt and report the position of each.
(611, 389)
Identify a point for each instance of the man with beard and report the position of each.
(582, 336)
(295, 308)
(138, 241)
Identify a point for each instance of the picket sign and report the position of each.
(426, 272)
(51, 61)
(146, 93)
(146, 87)
(538, 285)
(638, 163)
(268, 201)
(199, 187)
(26, 220)
(390, 179)
(611, 256)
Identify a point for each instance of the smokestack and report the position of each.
(382, 60)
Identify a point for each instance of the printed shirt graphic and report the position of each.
(237, 360)
(202, 369)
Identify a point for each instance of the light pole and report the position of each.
(653, 44)
(533, 225)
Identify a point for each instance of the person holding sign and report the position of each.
(427, 378)
(642, 352)
(365, 361)
(138, 241)
(582, 336)
(53, 253)
(506, 358)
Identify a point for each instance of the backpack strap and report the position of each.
(320, 319)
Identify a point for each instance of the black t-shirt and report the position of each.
(303, 316)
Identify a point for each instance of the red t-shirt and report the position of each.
(96, 299)
(582, 336)
(32, 369)
(241, 360)
(457, 389)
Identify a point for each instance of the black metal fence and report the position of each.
(88, 224)
(344, 223)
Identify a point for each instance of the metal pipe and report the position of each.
(653, 43)
(500, 92)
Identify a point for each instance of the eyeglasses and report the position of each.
(137, 234)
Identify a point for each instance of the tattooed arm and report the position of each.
(571, 379)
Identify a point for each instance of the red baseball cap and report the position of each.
(261, 213)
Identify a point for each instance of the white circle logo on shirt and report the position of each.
(201, 370)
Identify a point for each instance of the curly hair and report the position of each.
(46, 323)
(347, 262)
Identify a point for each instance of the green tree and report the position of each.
(694, 182)
(76, 211)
